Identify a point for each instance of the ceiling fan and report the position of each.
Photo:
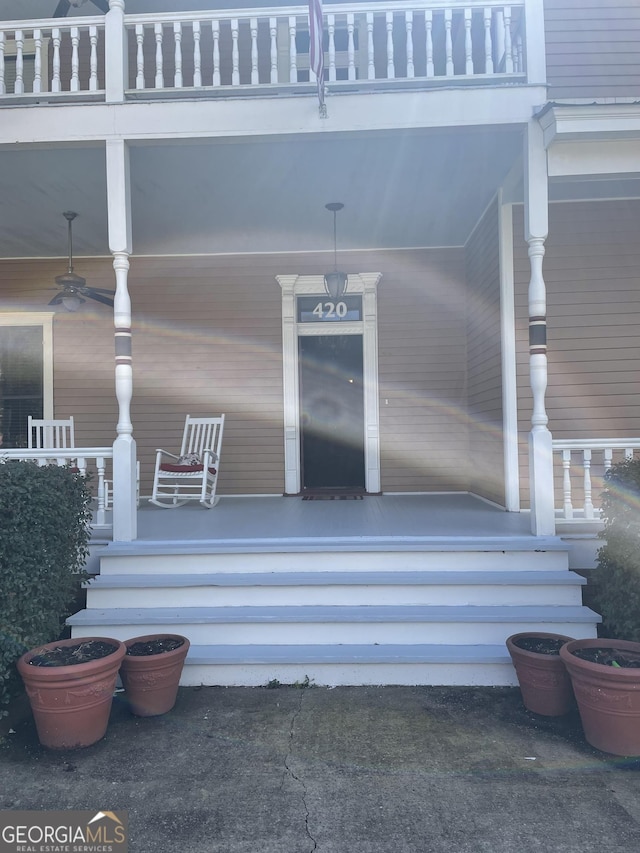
(63, 6)
(74, 287)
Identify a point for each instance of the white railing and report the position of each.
(88, 460)
(391, 43)
(580, 466)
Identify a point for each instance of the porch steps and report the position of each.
(359, 611)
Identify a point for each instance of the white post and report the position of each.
(508, 350)
(536, 229)
(535, 50)
(124, 447)
(115, 39)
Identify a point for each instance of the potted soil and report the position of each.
(151, 671)
(544, 682)
(605, 674)
(70, 685)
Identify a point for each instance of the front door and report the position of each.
(331, 412)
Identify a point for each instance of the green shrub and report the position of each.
(44, 539)
(618, 576)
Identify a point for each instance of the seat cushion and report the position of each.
(171, 468)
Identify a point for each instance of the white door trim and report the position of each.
(365, 284)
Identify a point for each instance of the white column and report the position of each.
(508, 355)
(115, 70)
(124, 447)
(535, 50)
(290, 385)
(536, 229)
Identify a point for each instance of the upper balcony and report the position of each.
(381, 45)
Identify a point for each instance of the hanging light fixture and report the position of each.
(335, 283)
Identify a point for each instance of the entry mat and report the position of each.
(332, 497)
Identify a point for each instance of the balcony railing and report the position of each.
(579, 468)
(262, 51)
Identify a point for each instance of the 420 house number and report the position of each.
(330, 310)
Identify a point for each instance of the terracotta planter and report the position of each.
(71, 704)
(151, 681)
(544, 682)
(608, 697)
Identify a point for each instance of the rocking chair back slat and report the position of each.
(44, 433)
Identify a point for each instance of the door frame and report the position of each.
(366, 285)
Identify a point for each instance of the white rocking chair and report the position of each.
(47, 433)
(193, 473)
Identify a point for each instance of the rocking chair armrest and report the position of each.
(160, 452)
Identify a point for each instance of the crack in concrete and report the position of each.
(289, 769)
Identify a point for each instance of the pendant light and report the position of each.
(335, 283)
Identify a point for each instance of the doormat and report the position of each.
(332, 497)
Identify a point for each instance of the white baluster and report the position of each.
(588, 502)
(351, 48)
(19, 83)
(273, 33)
(428, 23)
(197, 56)
(235, 56)
(215, 31)
(100, 513)
(159, 80)
(391, 71)
(488, 46)
(75, 62)
(37, 66)
(139, 56)
(253, 23)
(628, 453)
(448, 17)
(293, 63)
(55, 78)
(468, 48)
(566, 484)
(93, 59)
(408, 17)
(608, 458)
(519, 55)
(508, 55)
(3, 86)
(177, 39)
(371, 68)
(331, 28)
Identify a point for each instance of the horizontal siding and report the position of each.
(422, 373)
(207, 339)
(592, 48)
(484, 360)
(593, 311)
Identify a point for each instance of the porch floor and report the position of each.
(397, 517)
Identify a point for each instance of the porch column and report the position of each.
(536, 230)
(124, 447)
(115, 54)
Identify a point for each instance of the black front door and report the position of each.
(332, 412)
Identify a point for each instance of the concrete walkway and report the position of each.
(344, 770)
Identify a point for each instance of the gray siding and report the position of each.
(592, 48)
(484, 360)
(591, 272)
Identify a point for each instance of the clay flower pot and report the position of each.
(544, 682)
(608, 696)
(151, 680)
(71, 703)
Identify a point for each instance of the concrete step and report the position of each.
(256, 665)
(335, 588)
(405, 624)
(348, 554)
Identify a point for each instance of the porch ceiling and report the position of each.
(400, 189)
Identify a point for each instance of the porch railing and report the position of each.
(397, 42)
(88, 460)
(580, 466)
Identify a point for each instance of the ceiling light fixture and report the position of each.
(335, 283)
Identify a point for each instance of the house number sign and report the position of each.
(322, 309)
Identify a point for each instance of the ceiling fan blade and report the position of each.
(101, 290)
(57, 299)
(103, 5)
(62, 9)
(92, 294)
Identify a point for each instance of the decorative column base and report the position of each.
(125, 509)
(543, 521)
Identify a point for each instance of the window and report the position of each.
(25, 381)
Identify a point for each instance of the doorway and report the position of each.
(332, 412)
